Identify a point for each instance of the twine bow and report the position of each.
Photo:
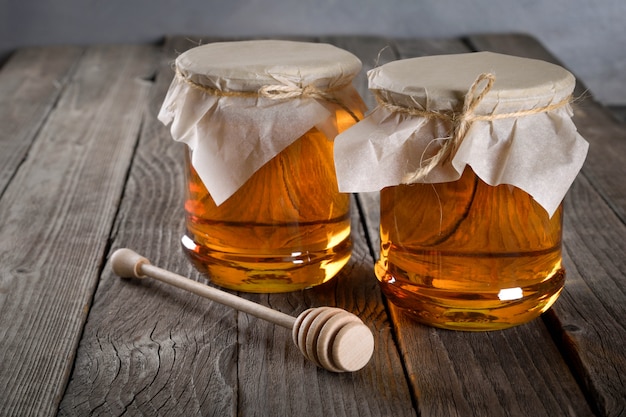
(460, 125)
(461, 122)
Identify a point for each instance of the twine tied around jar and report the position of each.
(276, 92)
(460, 122)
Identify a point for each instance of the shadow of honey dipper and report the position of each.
(330, 337)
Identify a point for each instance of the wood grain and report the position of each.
(85, 168)
(54, 225)
(586, 320)
(30, 84)
(147, 348)
(277, 381)
(180, 355)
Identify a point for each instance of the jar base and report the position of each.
(275, 273)
(455, 310)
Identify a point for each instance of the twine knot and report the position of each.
(461, 122)
(291, 91)
(285, 92)
(276, 92)
(460, 125)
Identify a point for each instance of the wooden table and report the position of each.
(85, 168)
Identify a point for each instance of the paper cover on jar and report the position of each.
(508, 118)
(238, 104)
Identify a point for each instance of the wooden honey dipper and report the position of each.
(330, 337)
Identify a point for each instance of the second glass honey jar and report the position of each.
(473, 154)
(263, 211)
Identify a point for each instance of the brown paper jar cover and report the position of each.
(235, 129)
(539, 151)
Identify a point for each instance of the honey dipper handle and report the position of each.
(128, 264)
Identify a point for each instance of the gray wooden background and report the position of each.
(589, 37)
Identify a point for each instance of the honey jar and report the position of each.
(473, 155)
(259, 118)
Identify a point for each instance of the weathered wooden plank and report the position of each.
(514, 372)
(55, 218)
(307, 390)
(148, 348)
(276, 380)
(187, 356)
(604, 166)
(589, 314)
(517, 371)
(30, 84)
(161, 351)
(587, 320)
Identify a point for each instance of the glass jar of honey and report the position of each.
(263, 211)
(477, 152)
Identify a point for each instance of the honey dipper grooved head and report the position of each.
(334, 339)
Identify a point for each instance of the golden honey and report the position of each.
(285, 229)
(473, 155)
(259, 118)
(466, 255)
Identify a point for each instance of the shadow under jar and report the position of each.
(263, 211)
(471, 225)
